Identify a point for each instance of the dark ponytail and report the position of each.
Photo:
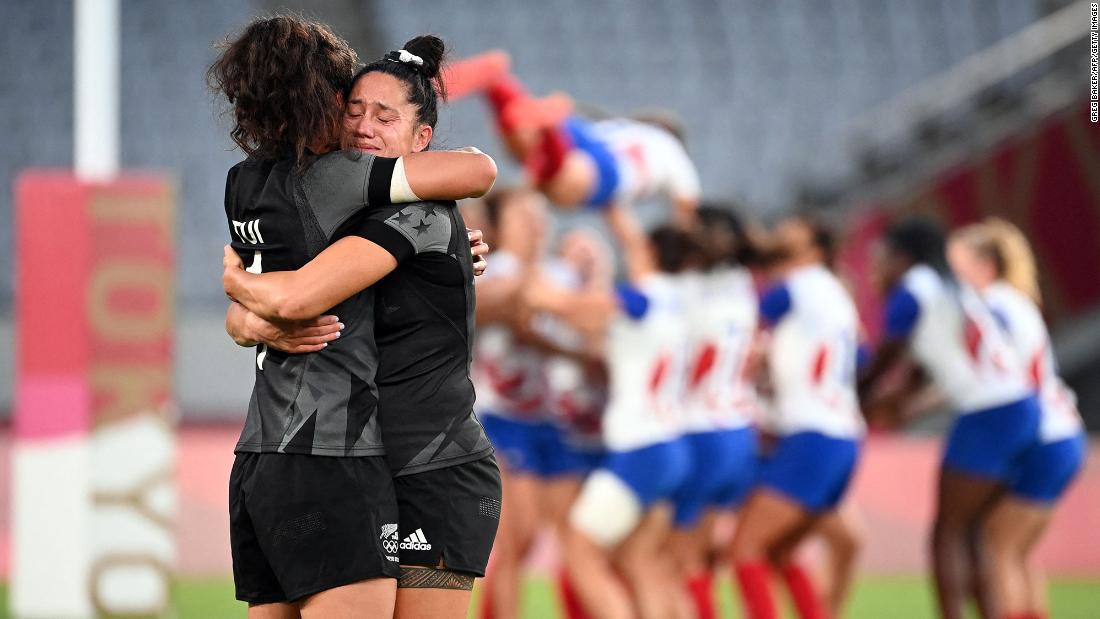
(675, 250)
(723, 237)
(423, 81)
(921, 240)
(823, 237)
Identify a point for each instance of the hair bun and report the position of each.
(431, 49)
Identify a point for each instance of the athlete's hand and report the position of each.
(478, 249)
(232, 267)
(231, 259)
(306, 336)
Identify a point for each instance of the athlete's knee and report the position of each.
(778, 557)
(846, 542)
(748, 547)
(418, 577)
(606, 511)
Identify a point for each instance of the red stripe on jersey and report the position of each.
(972, 335)
(821, 361)
(657, 378)
(504, 382)
(1036, 369)
(704, 363)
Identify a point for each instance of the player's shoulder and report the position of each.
(249, 179)
(339, 173)
(1016, 306)
(251, 167)
(428, 225)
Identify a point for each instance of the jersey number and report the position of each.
(257, 267)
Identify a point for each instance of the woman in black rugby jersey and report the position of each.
(313, 513)
(445, 478)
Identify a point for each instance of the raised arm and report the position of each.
(640, 262)
(443, 175)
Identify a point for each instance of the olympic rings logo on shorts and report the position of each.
(390, 546)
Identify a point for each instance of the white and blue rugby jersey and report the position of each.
(650, 161)
(955, 337)
(1027, 333)
(646, 359)
(510, 376)
(812, 355)
(721, 325)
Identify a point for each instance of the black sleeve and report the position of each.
(381, 177)
(342, 183)
(388, 238)
(408, 230)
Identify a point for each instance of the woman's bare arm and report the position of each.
(449, 174)
(639, 260)
(248, 329)
(341, 270)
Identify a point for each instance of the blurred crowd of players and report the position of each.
(690, 401)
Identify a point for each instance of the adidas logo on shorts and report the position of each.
(389, 539)
(416, 541)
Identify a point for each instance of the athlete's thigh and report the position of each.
(557, 495)
(1015, 523)
(433, 593)
(965, 498)
(367, 598)
(574, 182)
(649, 536)
(519, 503)
(768, 519)
(274, 610)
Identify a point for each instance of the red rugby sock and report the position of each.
(547, 158)
(570, 603)
(806, 600)
(754, 580)
(502, 93)
(701, 588)
(470, 75)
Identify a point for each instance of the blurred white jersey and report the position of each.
(573, 400)
(650, 160)
(812, 358)
(958, 342)
(721, 323)
(1027, 333)
(645, 358)
(509, 376)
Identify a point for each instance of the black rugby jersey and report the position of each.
(322, 403)
(424, 324)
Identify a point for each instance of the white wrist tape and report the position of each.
(400, 190)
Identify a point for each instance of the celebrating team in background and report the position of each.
(679, 406)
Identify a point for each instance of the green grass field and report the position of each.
(874, 598)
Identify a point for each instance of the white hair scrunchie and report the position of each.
(404, 55)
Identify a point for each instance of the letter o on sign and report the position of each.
(142, 587)
(130, 275)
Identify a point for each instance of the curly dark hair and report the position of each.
(283, 76)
